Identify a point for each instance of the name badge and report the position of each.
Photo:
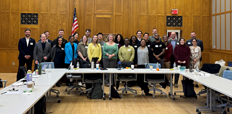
(156, 46)
(189, 43)
(160, 45)
(148, 45)
(166, 48)
(62, 48)
(117, 44)
(177, 43)
(135, 46)
(196, 50)
(102, 46)
(86, 47)
(31, 43)
(129, 49)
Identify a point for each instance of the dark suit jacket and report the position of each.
(24, 49)
(39, 53)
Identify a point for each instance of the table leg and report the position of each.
(110, 87)
(103, 79)
(171, 88)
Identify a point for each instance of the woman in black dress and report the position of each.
(57, 56)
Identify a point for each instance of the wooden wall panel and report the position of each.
(14, 5)
(5, 5)
(44, 5)
(108, 16)
(24, 5)
(5, 29)
(14, 32)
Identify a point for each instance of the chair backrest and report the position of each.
(227, 74)
(222, 69)
(211, 68)
(48, 64)
(152, 64)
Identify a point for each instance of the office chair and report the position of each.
(76, 77)
(154, 80)
(228, 75)
(210, 68)
(4, 81)
(51, 65)
(126, 78)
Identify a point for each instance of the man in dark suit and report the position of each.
(61, 34)
(26, 47)
(174, 43)
(47, 37)
(42, 50)
(199, 42)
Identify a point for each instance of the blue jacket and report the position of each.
(24, 49)
(69, 52)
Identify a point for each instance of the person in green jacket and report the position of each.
(126, 53)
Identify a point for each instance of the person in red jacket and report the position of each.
(167, 56)
(182, 55)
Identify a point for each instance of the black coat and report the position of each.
(24, 49)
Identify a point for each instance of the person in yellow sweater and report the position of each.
(94, 50)
(126, 53)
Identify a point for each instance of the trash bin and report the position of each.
(229, 63)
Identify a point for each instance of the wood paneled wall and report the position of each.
(106, 16)
(221, 30)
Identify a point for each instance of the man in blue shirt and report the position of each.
(174, 43)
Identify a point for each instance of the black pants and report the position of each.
(171, 66)
(27, 61)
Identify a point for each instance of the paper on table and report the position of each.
(14, 92)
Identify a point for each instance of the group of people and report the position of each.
(139, 50)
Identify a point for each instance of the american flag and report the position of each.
(75, 22)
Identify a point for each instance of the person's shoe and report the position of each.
(176, 85)
(148, 94)
(196, 86)
(79, 83)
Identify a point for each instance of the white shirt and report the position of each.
(27, 41)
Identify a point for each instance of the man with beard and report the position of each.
(26, 47)
(61, 34)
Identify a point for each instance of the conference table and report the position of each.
(24, 103)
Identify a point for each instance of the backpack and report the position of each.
(96, 92)
(188, 88)
(114, 93)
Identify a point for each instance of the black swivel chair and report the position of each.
(126, 78)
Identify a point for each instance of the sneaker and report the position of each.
(176, 85)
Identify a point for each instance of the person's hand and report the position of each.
(123, 61)
(28, 56)
(179, 61)
(136, 66)
(184, 62)
(154, 55)
(158, 58)
(45, 58)
(98, 61)
(84, 59)
(165, 59)
(110, 56)
(107, 54)
(36, 62)
(195, 60)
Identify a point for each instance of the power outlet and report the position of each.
(13, 63)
